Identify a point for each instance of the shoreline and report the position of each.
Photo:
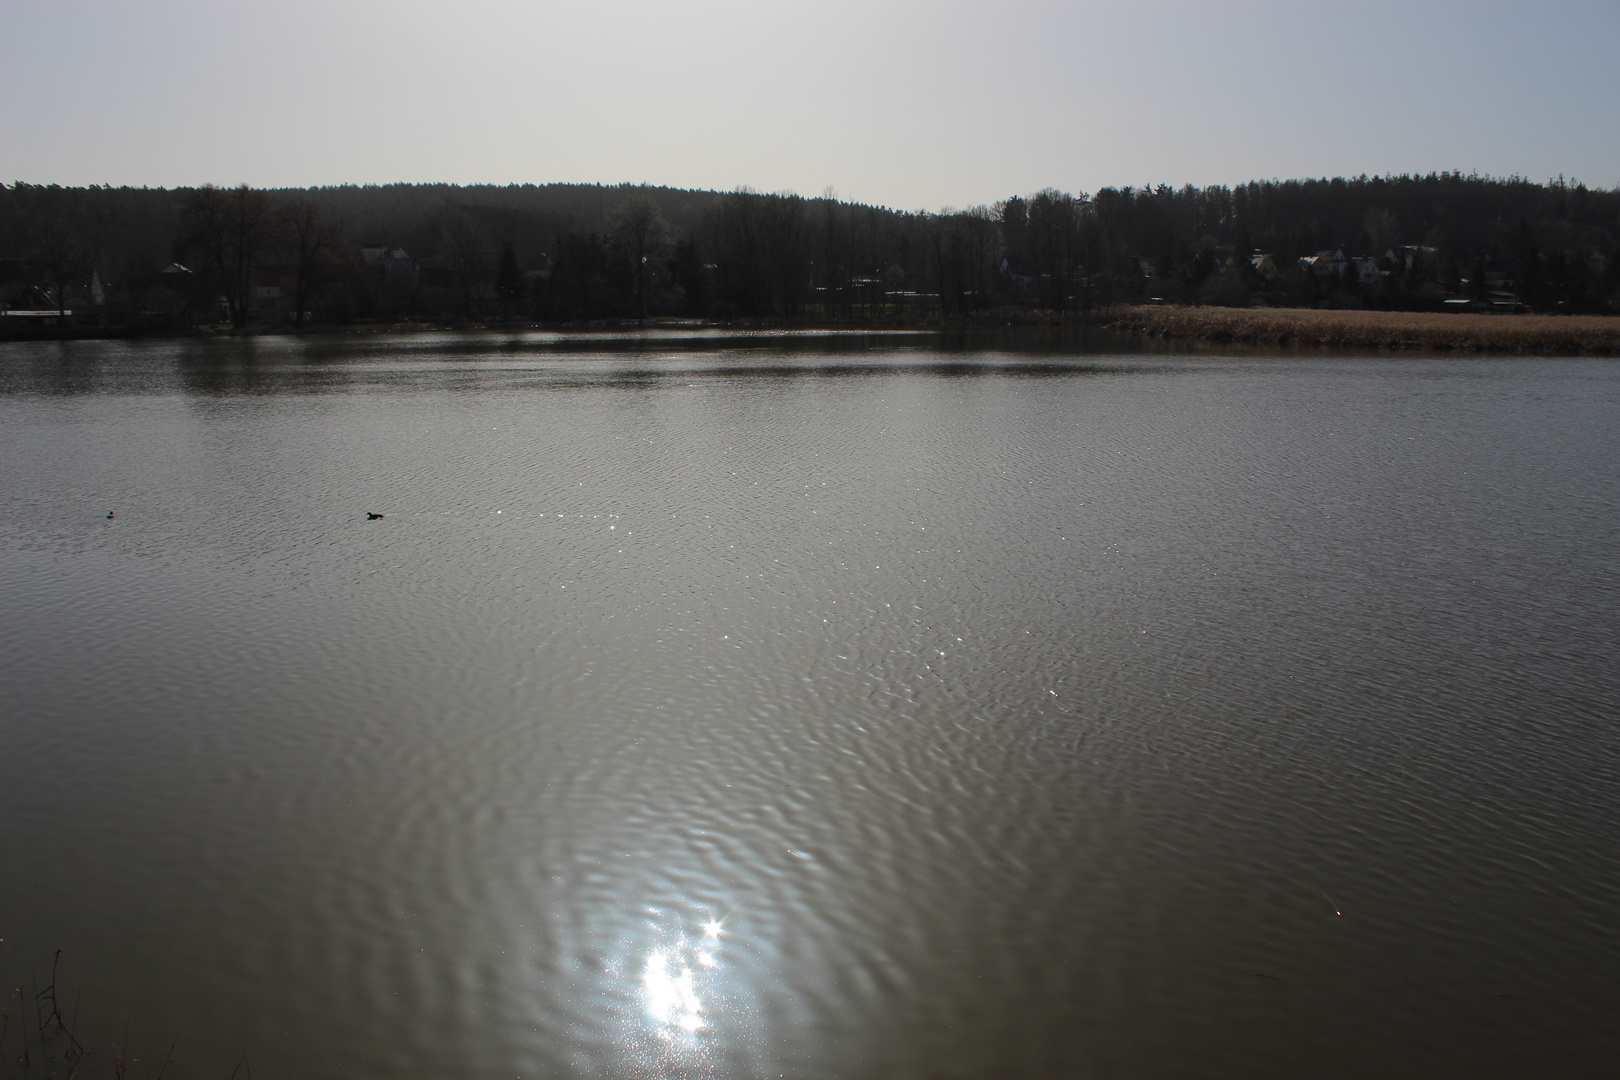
(1476, 332)
(1581, 335)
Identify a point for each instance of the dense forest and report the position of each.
(133, 259)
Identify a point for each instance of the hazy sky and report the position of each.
(913, 105)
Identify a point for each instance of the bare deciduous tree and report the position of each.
(463, 245)
(508, 279)
(640, 234)
(316, 246)
(58, 250)
(229, 230)
(1383, 231)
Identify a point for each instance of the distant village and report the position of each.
(1487, 286)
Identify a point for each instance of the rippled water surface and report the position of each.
(813, 706)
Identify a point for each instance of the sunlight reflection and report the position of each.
(671, 997)
(670, 982)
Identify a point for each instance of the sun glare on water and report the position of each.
(669, 980)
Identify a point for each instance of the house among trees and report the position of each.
(1018, 269)
(1407, 256)
(1326, 263)
(1367, 270)
(1139, 266)
(394, 263)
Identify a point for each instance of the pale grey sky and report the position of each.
(913, 105)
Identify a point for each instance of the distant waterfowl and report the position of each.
(369, 516)
(109, 515)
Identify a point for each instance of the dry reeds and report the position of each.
(1469, 331)
(50, 1050)
(45, 1046)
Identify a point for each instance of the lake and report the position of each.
(812, 705)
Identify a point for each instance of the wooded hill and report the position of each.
(155, 258)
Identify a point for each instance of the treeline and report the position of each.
(154, 258)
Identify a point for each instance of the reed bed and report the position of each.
(38, 1041)
(1469, 331)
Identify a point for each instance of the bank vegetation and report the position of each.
(139, 260)
(1466, 331)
